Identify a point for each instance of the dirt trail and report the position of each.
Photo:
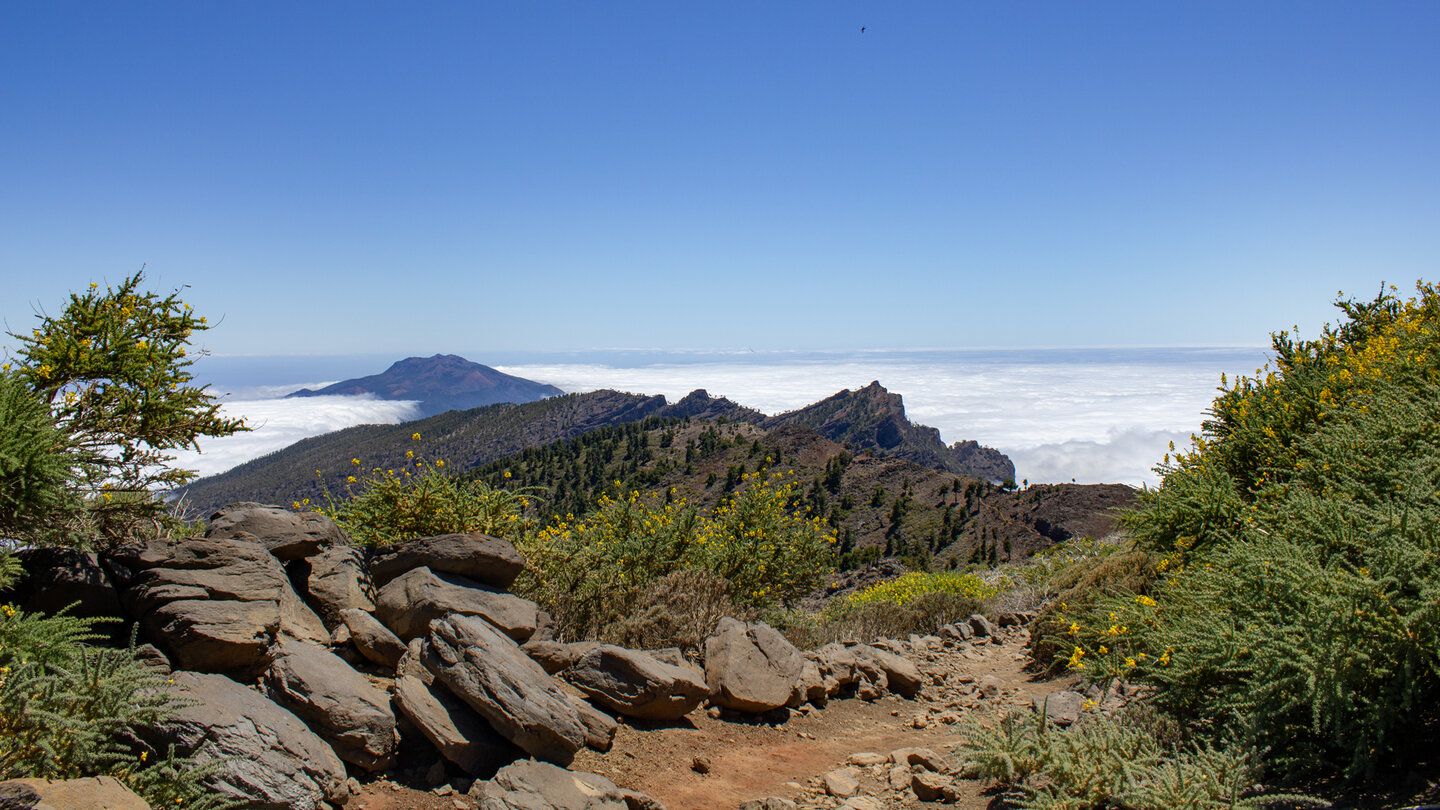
(754, 760)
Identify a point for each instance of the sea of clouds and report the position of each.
(1093, 415)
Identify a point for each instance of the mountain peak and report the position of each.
(441, 382)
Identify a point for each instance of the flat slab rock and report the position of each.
(479, 557)
(272, 761)
(488, 671)
(286, 534)
(531, 785)
(89, 793)
(456, 730)
(411, 601)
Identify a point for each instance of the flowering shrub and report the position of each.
(421, 499)
(1298, 608)
(589, 572)
(906, 588)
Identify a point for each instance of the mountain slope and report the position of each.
(872, 418)
(441, 383)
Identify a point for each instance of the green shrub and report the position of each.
(1131, 761)
(36, 468)
(112, 369)
(68, 710)
(908, 587)
(1299, 610)
(1078, 587)
(422, 499)
(590, 573)
(680, 610)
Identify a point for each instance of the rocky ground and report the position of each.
(709, 762)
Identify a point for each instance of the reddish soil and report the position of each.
(751, 760)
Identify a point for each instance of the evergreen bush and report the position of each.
(36, 468)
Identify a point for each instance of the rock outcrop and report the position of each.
(634, 684)
(750, 667)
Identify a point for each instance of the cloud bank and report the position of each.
(1095, 417)
(278, 423)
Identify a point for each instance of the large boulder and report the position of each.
(410, 602)
(269, 759)
(461, 735)
(478, 557)
(750, 667)
(213, 605)
(86, 793)
(338, 582)
(556, 656)
(336, 702)
(531, 785)
(371, 638)
(69, 579)
(286, 534)
(635, 684)
(489, 672)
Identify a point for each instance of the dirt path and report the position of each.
(748, 760)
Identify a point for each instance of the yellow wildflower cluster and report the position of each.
(906, 588)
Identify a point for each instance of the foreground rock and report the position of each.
(635, 684)
(478, 557)
(286, 534)
(461, 735)
(271, 761)
(410, 602)
(89, 793)
(336, 702)
(750, 667)
(57, 578)
(371, 638)
(531, 785)
(494, 677)
(215, 605)
(338, 582)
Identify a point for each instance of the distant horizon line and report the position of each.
(741, 352)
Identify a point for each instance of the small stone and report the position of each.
(867, 758)
(353, 786)
(862, 803)
(841, 784)
(443, 790)
(929, 786)
(919, 721)
(899, 778)
(700, 764)
(989, 686)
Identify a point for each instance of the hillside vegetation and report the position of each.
(1284, 595)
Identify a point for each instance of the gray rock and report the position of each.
(1061, 708)
(636, 685)
(99, 792)
(958, 632)
(479, 557)
(336, 702)
(901, 676)
(990, 686)
(214, 605)
(842, 783)
(338, 582)
(531, 785)
(461, 735)
(56, 579)
(600, 728)
(922, 757)
(809, 686)
(371, 638)
(494, 677)
(770, 803)
(980, 625)
(288, 535)
(271, 760)
(410, 602)
(555, 656)
(750, 667)
(929, 787)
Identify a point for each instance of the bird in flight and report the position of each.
(862, 29)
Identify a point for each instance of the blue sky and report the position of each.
(487, 178)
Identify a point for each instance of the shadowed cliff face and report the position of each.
(441, 383)
(872, 418)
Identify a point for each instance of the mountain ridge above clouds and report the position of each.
(440, 383)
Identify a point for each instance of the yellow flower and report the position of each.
(506, 475)
(415, 437)
(1145, 600)
(409, 453)
(1074, 628)
(350, 479)
(355, 461)
(440, 462)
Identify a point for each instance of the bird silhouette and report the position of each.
(862, 29)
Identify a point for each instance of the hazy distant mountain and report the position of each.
(441, 383)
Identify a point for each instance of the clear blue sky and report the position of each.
(491, 177)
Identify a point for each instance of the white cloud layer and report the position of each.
(1092, 417)
(279, 423)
